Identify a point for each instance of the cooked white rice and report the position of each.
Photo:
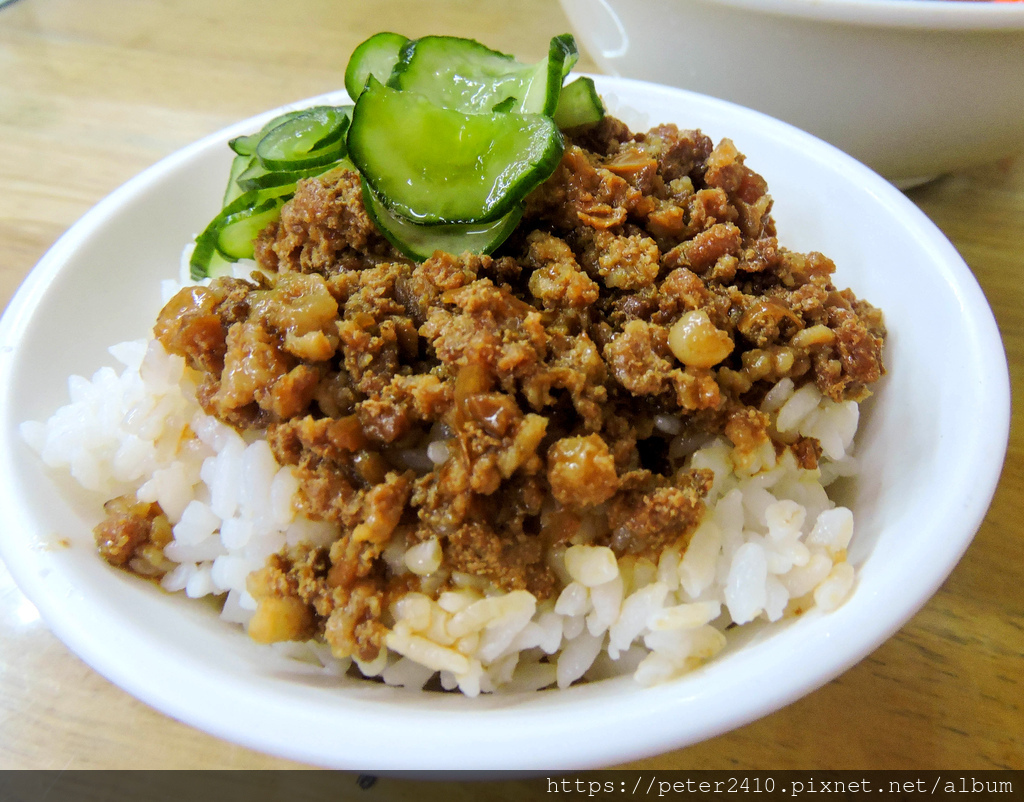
(772, 542)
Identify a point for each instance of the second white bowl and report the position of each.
(912, 89)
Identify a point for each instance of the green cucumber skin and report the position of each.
(282, 179)
(420, 242)
(376, 56)
(562, 57)
(442, 166)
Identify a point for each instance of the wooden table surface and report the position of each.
(94, 91)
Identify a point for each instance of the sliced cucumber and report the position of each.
(311, 139)
(464, 75)
(239, 166)
(435, 165)
(237, 231)
(246, 145)
(215, 265)
(448, 135)
(579, 104)
(419, 242)
(201, 262)
(207, 252)
(376, 56)
(257, 178)
(267, 165)
(562, 57)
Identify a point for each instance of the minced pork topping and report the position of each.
(504, 407)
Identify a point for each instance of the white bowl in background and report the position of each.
(931, 449)
(911, 88)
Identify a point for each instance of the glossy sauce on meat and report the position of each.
(506, 406)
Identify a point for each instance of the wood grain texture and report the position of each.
(92, 93)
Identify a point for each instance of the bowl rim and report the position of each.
(132, 673)
(960, 15)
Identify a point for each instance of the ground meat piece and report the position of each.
(194, 323)
(489, 326)
(444, 500)
(352, 561)
(622, 262)
(603, 137)
(583, 192)
(339, 479)
(645, 521)
(371, 351)
(754, 219)
(667, 223)
(355, 629)
(574, 364)
(302, 311)
(293, 392)
(420, 289)
(189, 326)
(766, 320)
(679, 153)
(681, 291)
(384, 421)
(775, 362)
(496, 440)
(266, 362)
(287, 591)
(382, 508)
(707, 247)
(637, 358)
(859, 353)
(327, 438)
(282, 618)
(641, 305)
(133, 535)
(376, 333)
(708, 207)
(763, 255)
(804, 270)
(747, 428)
(253, 364)
(403, 403)
(372, 292)
(557, 280)
(725, 169)
(323, 452)
(323, 219)
(277, 577)
(634, 162)
(869, 315)
(696, 389)
(581, 471)
(334, 395)
(807, 451)
(511, 563)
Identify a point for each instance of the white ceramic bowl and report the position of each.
(913, 88)
(931, 449)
